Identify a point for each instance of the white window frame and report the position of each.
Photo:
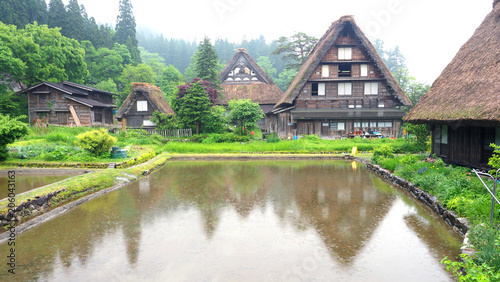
(365, 124)
(321, 89)
(344, 88)
(357, 124)
(373, 124)
(363, 70)
(142, 106)
(345, 53)
(381, 103)
(325, 71)
(148, 122)
(371, 88)
(340, 125)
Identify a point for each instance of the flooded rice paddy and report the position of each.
(242, 221)
(27, 182)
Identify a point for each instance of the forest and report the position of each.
(42, 41)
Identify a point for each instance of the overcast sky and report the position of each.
(428, 32)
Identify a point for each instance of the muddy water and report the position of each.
(27, 182)
(242, 221)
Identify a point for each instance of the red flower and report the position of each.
(253, 133)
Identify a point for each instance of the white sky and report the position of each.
(428, 32)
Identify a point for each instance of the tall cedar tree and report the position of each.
(57, 14)
(207, 62)
(294, 49)
(23, 12)
(126, 30)
(75, 26)
(194, 103)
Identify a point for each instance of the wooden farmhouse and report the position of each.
(69, 104)
(137, 110)
(242, 78)
(342, 90)
(462, 107)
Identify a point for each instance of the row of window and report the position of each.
(344, 70)
(344, 88)
(358, 125)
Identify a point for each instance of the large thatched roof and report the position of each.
(468, 90)
(320, 50)
(153, 95)
(259, 87)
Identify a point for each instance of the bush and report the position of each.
(383, 152)
(272, 138)
(96, 142)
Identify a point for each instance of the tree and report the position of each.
(285, 78)
(194, 102)
(140, 73)
(207, 62)
(267, 66)
(57, 16)
(164, 121)
(294, 49)
(10, 130)
(170, 80)
(126, 30)
(245, 113)
(74, 27)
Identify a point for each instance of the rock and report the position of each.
(2, 217)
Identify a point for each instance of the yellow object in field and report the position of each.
(354, 150)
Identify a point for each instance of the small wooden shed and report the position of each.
(137, 110)
(462, 108)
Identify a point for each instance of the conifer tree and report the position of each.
(207, 62)
(75, 25)
(126, 30)
(57, 14)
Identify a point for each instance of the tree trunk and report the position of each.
(197, 127)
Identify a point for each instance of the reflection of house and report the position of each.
(343, 87)
(137, 110)
(68, 103)
(242, 78)
(462, 106)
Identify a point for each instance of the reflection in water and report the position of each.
(258, 220)
(29, 182)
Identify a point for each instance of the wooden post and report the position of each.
(75, 117)
(124, 124)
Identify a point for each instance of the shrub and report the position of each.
(96, 142)
(272, 138)
(383, 152)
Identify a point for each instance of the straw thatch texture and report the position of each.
(263, 91)
(151, 92)
(320, 50)
(468, 90)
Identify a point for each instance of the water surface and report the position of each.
(242, 221)
(27, 182)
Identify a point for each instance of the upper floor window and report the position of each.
(318, 89)
(345, 88)
(325, 71)
(42, 98)
(345, 53)
(142, 106)
(371, 88)
(345, 70)
(364, 70)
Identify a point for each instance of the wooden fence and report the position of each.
(170, 133)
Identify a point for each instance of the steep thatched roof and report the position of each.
(468, 90)
(320, 50)
(261, 89)
(153, 95)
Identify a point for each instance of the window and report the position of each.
(345, 53)
(444, 134)
(381, 104)
(357, 124)
(42, 98)
(365, 124)
(321, 89)
(314, 89)
(386, 124)
(337, 126)
(142, 106)
(344, 70)
(371, 88)
(373, 124)
(364, 70)
(345, 88)
(351, 106)
(359, 106)
(147, 122)
(326, 124)
(325, 71)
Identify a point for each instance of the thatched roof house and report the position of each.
(463, 105)
(343, 87)
(243, 78)
(137, 110)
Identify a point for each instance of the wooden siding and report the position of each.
(465, 145)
